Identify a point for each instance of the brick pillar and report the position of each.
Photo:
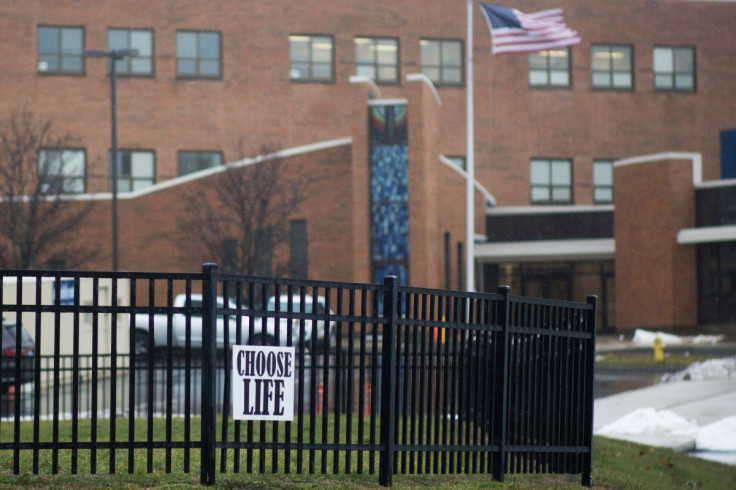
(656, 279)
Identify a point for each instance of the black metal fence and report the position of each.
(132, 372)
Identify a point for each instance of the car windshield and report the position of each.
(296, 305)
(9, 330)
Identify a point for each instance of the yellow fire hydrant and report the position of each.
(658, 349)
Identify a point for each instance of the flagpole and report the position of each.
(469, 156)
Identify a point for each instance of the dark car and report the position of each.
(9, 353)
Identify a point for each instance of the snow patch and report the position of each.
(718, 436)
(724, 368)
(646, 337)
(648, 421)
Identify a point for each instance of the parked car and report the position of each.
(268, 335)
(9, 354)
(179, 327)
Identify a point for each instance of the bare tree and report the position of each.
(37, 219)
(242, 215)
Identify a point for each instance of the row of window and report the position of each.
(64, 170)
(199, 55)
(612, 67)
(551, 181)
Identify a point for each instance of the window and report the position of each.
(611, 66)
(60, 49)
(198, 54)
(551, 181)
(674, 68)
(442, 60)
(140, 39)
(298, 259)
(602, 181)
(550, 68)
(135, 170)
(194, 161)
(62, 171)
(377, 58)
(311, 58)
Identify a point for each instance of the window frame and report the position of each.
(197, 59)
(375, 64)
(604, 187)
(76, 73)
(128, 59)
(442, 82)
(673, 74)
(210, 152)
(551, 201)
(611, 72)
(548, 70)
(83, 177)
(311, 62)
(130, 179)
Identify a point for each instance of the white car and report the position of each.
(179, 327)
(268, 335)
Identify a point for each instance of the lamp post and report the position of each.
(113, 55)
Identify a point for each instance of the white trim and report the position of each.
(717, 183)
(707, 234)
(421, 77)
(176, 181)
(367, 80)
(512, 210)
(696, 158)
(388, 102)
(489, 197)
(546, 250)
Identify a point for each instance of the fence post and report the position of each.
(388, 380)
(591, 322)
(209, 356)
(501, 373)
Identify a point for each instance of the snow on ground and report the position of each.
(715, 441)
(718, 436)
(645, 337)
(648, 421)
(724, 368)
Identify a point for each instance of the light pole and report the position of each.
(113, 55)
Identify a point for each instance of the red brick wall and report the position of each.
(255, 102)
(655, 277)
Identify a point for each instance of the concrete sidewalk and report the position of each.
(702, 401)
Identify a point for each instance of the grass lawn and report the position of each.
(646, 359)
(617, 464)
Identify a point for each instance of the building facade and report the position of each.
(561, 206)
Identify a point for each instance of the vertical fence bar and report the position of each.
(132, 376)
(209, 357)
(75, 378)
(36, 380)
(388, 363)
(95, 367)
(16, 375)
(187, 376)
(589, 389)
(113, 372)
(501, 383)
(57, 375)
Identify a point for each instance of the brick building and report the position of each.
(215, 82)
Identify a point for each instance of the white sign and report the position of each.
(263, 383)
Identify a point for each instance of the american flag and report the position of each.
(516, 32)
